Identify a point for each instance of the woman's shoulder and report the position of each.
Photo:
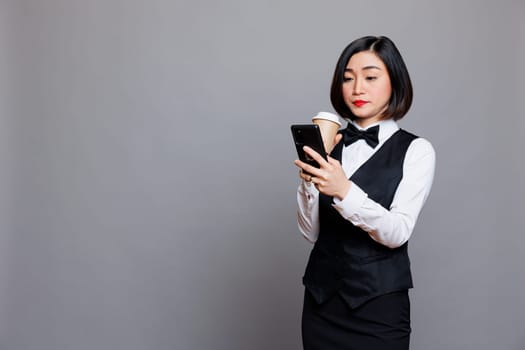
(417, 142)
(419, 148)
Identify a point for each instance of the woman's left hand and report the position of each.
(330, 178)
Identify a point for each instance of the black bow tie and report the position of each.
(351, 134)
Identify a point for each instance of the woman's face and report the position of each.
(366, 87)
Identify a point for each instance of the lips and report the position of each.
(359, 103)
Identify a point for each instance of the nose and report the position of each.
(358, 86)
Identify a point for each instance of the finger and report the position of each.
(316, 156)
(304, 176)
(338, 138)
(318, 184)
(333, 161)
(307, 168)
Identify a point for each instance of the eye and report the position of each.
(345, 79)
(371, 78)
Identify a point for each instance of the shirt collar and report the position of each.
(387, 128)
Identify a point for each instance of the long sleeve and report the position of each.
(393, 227)
(308, 211)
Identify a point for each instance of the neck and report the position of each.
(364, 123)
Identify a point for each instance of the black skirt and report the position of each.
(382, 323)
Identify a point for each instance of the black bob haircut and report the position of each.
(385, 49)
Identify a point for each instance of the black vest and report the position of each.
(345, 259)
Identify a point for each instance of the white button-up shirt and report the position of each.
(391, 227)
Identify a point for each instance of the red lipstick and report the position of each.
(359, 103)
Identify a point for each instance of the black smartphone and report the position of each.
(308, 135)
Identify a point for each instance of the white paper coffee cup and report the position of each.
(328, 124)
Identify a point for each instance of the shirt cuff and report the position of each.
(352, 203)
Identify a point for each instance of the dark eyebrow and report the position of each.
(350, 70)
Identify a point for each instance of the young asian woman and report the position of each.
(360, 206)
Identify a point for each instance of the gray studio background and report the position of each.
(147, 192)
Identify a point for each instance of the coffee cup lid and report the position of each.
(327, 116)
